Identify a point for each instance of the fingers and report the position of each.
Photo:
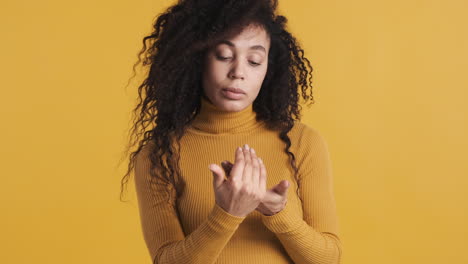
(281, 188)
(218, 175)
(238, 168)
(227, 166)
(263, 175)
(247, 175)
(247, 168)
(255, 169)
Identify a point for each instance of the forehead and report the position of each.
(251, 37)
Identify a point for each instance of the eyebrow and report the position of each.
(255, 47)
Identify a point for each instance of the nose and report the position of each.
(237, 71)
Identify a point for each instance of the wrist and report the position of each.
(268, 212)
(284, 221)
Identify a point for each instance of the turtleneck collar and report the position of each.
(212, 120)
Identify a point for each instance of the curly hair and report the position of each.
(170, 95)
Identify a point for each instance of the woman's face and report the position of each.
(235, 69)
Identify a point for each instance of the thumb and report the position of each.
(218, 175)
(282, 187)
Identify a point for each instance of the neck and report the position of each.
(213, 120)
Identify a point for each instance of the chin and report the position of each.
(232, 105)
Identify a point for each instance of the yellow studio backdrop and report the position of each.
(390, 85)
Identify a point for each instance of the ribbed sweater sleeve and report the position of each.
(162, 230)
(312, 238)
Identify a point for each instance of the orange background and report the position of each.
(390, 88)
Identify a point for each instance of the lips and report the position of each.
(233, 93)
(234, 90)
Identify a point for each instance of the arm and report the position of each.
(312, 238)
(162, 231)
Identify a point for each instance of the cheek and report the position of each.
(260, 77)
(215, 72)
(210, 77)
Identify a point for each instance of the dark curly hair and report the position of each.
(170, 95)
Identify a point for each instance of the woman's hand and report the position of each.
(274, 200)
(245, 186)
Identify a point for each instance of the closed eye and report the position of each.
(253, 63)
(223, 58)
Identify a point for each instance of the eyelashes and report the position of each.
(221, 58)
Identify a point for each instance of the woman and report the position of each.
(222, 84)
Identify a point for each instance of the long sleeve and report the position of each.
(162, 230)
(312, 238)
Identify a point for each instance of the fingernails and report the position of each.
(260, 160)
(253, 150)
(246, 147)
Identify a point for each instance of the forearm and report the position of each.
(204, 244)
(303, 243)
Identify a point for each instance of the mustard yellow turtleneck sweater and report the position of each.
(196, 230)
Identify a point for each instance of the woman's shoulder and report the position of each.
(302, 133)
(143, 155)
(308, 142)
(306, 138)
